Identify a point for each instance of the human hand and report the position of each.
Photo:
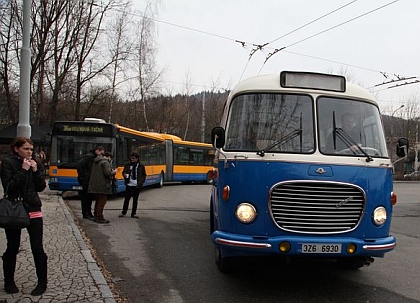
(26, 164)
(34, 165)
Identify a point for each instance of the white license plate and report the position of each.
(76, 187)
(317, 248)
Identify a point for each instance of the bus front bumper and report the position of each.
(333, 246)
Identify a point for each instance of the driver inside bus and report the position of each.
(348, 125)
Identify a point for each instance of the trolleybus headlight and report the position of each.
(379, 215)
(246, 213)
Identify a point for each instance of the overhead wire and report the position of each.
(261, 47)
(327, 30)
(313, 21)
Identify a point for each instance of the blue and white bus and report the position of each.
(291, 178)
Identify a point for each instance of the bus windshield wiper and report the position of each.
(290, 136)
(350, 143)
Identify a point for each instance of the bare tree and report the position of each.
(187, 103)
(147, 75)
(120, 48)
(9, 33)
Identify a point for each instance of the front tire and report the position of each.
(224, 264)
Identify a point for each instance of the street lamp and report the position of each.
(392, 118)
(392, 115)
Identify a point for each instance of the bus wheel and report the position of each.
(160, 184)
(209, 179)
(224, 264)
(212, 225)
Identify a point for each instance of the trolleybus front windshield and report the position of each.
(350, 127)
(271, 122)
(70, 149)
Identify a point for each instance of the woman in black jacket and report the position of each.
(23, 176)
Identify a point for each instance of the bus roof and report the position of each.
(271, 83)
(163, 137)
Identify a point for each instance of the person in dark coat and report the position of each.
(134, 175)
(23, 176)
(100, 184)
(84, 167)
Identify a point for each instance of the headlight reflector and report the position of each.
(246, 213)
(379, 215)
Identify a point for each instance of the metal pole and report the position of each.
(203, 117)
(23, 127)
(416, 160)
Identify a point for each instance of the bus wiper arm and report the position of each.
(293, 134)
(343, 136)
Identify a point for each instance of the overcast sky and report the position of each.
(363, 37)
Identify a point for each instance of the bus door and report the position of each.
(169, 160)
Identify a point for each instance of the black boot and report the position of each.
(9, 266)
(41, 272)
(39, 289)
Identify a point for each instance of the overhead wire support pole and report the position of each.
(24, 128)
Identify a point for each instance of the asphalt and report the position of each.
(73, 274)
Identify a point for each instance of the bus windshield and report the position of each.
(70, 149)
(284, 123)
(349, 127)
(271, 122)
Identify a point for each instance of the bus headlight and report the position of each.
(246, 213)
(379, 215)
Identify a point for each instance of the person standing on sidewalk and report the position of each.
(100, 184)
(23, 175)
(134, 176)
(84, 167)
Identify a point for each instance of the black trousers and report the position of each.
(35, 231)
(86, 201)
(131, 192)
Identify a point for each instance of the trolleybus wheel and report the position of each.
(224, 264)
(160, 184)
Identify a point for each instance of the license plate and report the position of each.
(76, 187)
(317, 248)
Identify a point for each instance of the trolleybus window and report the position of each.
(69, 149)
(350, 128)
(271, 122)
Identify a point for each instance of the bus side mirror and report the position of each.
(402, 147)
(218, 137)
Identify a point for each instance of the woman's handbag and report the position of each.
(13, 214)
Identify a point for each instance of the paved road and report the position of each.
(166, 256)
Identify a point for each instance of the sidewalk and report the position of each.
(73, 275)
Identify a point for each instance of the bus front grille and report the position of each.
(316, 207)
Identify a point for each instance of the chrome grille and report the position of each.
(316, 207)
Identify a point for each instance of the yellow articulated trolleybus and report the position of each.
(166, 157)
(302, 170)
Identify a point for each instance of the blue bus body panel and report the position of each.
(71, 183)
(189, 177)
(251, 181)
